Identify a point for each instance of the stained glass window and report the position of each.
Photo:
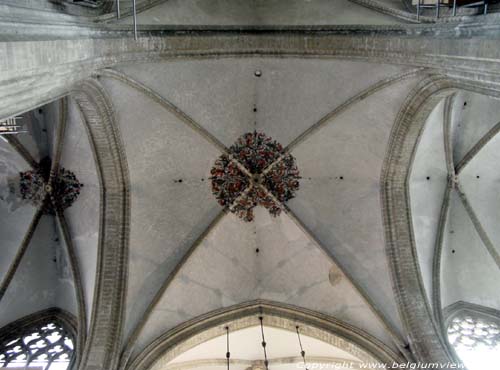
(45, 345)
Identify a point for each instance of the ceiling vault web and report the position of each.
(436, 262)
(25, 154)
(477, 148)
(63, 225)
(393, 332)
(20, 252)
(70, 251)
(166, 283)
(443, 216)
(111, 73)
(21, 150)
(478, 226)
(61, 129)
(453, 185)
(75, 272)
(382, 84)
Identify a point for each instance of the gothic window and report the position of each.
(475, 336)
(44, 343)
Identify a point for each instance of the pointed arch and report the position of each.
(425, 331)
(278, 315)
(46, 336)
(104, 338)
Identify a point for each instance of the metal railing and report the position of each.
(10, 126)
(439, 4)
(134, 14)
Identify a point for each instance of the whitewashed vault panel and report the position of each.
(479, 180)
(171, 200)
(295, 94)
(473, 116)
(83, 216)
(43, 277)
(227, 269)
(428, 181)
(220, 95)
(339, 198)
(469, 274)
(261, 12)
(172, 204)
(15, 214)
(286, 97)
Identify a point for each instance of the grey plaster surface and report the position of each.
(35, 139)
(468, 271)
(218, 94)
(294, 95)
(289, 96)
(479, 180)
(469, 274)
(16, 215)
(292, 269)
(428, 182)
(226, 270)
(65, 296)
(41, 124)
(472, 120)
(42, 277)
(51, 118)
(261, 12)
(31, 72)
(83, 216)
(171, 199)
(339, 199)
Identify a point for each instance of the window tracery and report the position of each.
(47, 344)
(474, 333)
(469, 331)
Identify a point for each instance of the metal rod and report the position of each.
(418, 10)
(118, 15)
(228, 354)
(10, 126)
(437, 8)
(485, 7)
(302, 352)
(134, 9)
(454, 8)
(266, 362)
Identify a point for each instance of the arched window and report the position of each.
(44, 340)
(474, 333)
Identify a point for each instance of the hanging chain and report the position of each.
(302, 352)
(228, 354)
(266, 362)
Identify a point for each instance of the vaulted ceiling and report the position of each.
(454, 200)
(189, 256)
(335, 217)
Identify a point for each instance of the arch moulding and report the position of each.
(426, 339)
(277, 315)
(104, 338)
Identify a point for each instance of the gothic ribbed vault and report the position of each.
(327, 166)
